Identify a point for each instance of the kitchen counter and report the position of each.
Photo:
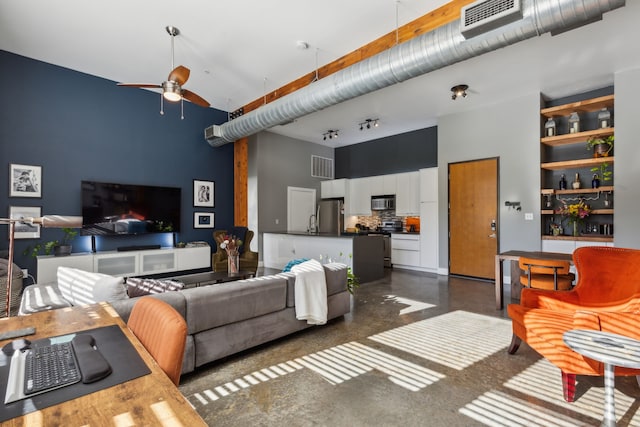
(363, 252)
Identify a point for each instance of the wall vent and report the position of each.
(321, 167)
(486, 15)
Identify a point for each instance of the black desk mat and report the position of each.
(126, 364)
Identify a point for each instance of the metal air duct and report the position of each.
(428, 52)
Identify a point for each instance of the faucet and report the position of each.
(313, 228)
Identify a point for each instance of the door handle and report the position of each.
(493, 235)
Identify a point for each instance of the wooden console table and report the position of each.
(148, 400)
(515, 256)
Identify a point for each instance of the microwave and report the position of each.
(383, 203)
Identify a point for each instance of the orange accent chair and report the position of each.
(545, 274)
(606, 297)
(162, 331)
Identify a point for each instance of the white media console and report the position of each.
(128, 263)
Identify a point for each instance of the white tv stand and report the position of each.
(129, 263)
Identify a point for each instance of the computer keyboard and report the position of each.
(50, 367)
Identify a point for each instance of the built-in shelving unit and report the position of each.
(562, 154)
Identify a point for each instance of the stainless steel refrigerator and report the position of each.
(331, 216)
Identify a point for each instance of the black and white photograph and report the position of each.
(203, 193)
(203, 220)
(25, 181)
(25, 230)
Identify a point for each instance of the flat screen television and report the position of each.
(120, 209)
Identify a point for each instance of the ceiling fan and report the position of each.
(172, 89)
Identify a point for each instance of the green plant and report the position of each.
(352, 281)
(597, 140)
(603, 171)
(48, 247)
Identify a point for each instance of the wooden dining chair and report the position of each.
(546, 274)
(162, 331)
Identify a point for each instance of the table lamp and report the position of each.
(47, 221)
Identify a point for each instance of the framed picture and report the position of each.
(203, 193)
(25, 231)
(25, 181)
(203, 220)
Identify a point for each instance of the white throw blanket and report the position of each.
(311, 292)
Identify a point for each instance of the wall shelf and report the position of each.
(600, 189)
(576, 164)
(586, 237)
(593, 212)
(574, 138)
(588, 105)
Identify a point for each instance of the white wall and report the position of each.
(626, 178)
(511, 132)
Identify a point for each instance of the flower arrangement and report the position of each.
(575, 213)
(231, 244)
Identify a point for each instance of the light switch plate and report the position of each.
(528, 216)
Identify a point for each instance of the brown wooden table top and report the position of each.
(148, 400)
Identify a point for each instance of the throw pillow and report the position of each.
(84, 287)
(294, 262)
(137, 287)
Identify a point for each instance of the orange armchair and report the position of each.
(606, 297)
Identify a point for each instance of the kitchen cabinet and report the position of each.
(405, 250)
(429, 236)
(428, 185)
(333, 188)
(563, 153)
(360, 196)
(408, 194)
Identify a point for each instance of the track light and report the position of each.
(368, 122)
(459, 90)
(330, 134)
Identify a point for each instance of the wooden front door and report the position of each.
(473, 218)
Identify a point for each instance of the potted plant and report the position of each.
(59, 248)
(603, 171)
(601, 146)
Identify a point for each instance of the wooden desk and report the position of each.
(515, 256)
(148, 400)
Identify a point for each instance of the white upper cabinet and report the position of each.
(408, 194)
(429, 185)
(333, 188)
(359, 196)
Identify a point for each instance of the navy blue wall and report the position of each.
(405, 152)
(81, 127)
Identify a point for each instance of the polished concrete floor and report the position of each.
(416, 350)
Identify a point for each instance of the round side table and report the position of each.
(610, 349)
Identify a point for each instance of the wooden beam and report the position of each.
(432, 20)
(240, 182)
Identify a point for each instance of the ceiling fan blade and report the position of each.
(180, 75)
(196, 99)
(138, 85)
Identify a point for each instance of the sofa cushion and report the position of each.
(83, 287)
(336, 275)
(137, 287)
(223, 303)
(41, 298)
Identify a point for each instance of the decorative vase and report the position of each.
(575, 229)
(233, 262)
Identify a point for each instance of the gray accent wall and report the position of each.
(275, 163)
(509, 131)
(626, 201)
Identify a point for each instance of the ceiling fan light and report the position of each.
(171, 91)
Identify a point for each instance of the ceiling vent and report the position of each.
(321, 167)
(486, 15)
(212, 135)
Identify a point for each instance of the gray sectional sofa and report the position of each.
(222, 319)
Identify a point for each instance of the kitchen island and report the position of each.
(363, 253)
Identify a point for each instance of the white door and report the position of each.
(301, 204)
